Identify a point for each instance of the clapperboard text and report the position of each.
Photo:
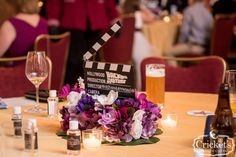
(103, 77)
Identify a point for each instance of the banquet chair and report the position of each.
(13, 81)
(119, 48)
(56, 48)
(222, 35)
(204, 75)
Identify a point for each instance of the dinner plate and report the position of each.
(199, 113)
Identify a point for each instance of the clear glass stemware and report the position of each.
(36, 70)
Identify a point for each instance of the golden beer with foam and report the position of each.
(155, 83)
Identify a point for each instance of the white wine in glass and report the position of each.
(36, 70)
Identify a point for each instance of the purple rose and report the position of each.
(108, 118)
(149, 123)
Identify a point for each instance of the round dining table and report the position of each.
(174, 142)
(162, 33)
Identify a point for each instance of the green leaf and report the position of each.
(140, 141)
(62, 134)
(131, 111)
(114, 106)
(86, 107)
(151, 140)
(158, 132)
(106, 142)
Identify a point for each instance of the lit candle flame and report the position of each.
(166, 19)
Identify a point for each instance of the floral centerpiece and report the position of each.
(124, 121)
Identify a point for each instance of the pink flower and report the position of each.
(65, 91)
(124, 111)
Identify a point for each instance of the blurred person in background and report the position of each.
(180, 5)
(18, 33)
(164, 7)
(141, 46)
(223, 6)
(85, 20)
(195, 31)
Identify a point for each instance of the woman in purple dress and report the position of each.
(18, 33)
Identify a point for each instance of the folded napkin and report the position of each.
(3, 105)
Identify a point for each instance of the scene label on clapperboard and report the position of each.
(101, 77)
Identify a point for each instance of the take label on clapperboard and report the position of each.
(101, 77)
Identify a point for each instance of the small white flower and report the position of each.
(109, 99)
(136, 129)
(138, 115)
(81, 82)
(74, 97)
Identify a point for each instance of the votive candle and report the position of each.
(92, 138)
(170, 121)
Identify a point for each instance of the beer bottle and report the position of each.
(222, 128)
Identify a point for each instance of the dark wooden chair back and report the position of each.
(119, 48)
(13, 81)
(222, 35)
(56, 47)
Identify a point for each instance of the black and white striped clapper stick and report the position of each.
(102, 77)
(94, 49)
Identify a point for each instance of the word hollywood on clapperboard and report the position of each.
(111, 78)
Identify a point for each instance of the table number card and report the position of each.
(101, 77)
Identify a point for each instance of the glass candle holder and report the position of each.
(92, 138)
(170, 120)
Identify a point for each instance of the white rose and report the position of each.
(138, 115)
(136, 129)
(109, 99)
(74, 97)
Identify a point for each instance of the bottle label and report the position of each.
(17, 123)
(18, 132)
(51, 107)
(28, 141)
(73, 142)
(220, 146)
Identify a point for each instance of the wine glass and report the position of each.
(36, 70)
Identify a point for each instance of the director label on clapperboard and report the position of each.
(101, 77)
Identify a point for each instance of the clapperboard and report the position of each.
(101, 77)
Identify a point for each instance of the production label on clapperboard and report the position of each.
(102, 77)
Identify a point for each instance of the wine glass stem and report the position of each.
(37, 97)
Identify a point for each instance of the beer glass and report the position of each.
(231, 80)
(155, 83)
